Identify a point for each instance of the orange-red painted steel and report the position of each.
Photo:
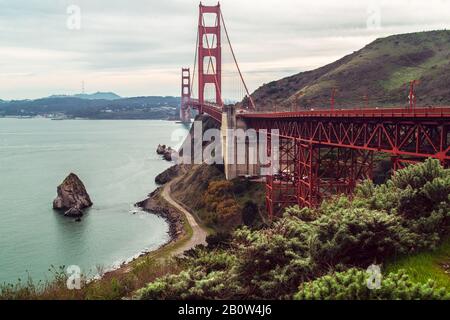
(207, 50)
(327, 151)
(383, 112)
(185, 110)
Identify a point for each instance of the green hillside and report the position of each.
(381, 70)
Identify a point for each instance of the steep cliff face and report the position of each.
(170, 174)
(72, 196)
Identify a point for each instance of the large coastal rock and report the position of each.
(72, 197)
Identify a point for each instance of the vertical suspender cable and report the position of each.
(195, 64)
(235, 61)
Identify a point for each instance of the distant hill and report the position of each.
(92, 96)
(72, 107)
(381, 70)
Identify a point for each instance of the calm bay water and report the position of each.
(116, 160)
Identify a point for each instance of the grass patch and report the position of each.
(401, 77)
(426, 265)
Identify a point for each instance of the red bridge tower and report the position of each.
(185, 110)
(209, 53)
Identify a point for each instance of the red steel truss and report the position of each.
(323, 155)
(399, 163)
(307, 173)
(328, 152)
(408, 135)
(325, 152)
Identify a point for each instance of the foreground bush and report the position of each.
(211, 277)
(411, 212)
(352, 285)
(419, 194)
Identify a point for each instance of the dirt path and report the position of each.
(198, 234)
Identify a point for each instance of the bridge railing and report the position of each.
(381, 112)
(427, 112)
(213, 110)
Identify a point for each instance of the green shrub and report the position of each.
(418, 194)
(219, 240)
(192, 285)
(410, 212)
(272, 262)
(209, 276)
(359, 236)
(352, 285)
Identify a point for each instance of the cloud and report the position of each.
(138, 47)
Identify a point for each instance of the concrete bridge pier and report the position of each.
(239, 146)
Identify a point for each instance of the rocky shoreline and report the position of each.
(154, 205)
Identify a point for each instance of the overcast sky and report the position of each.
(137, 47)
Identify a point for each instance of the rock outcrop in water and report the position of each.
(72, 197)
(165, 151)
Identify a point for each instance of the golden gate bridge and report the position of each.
(322, 152)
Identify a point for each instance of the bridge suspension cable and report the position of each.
(235, 89)
(236, 63)
(195, 64)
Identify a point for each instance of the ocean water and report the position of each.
(117, 162)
